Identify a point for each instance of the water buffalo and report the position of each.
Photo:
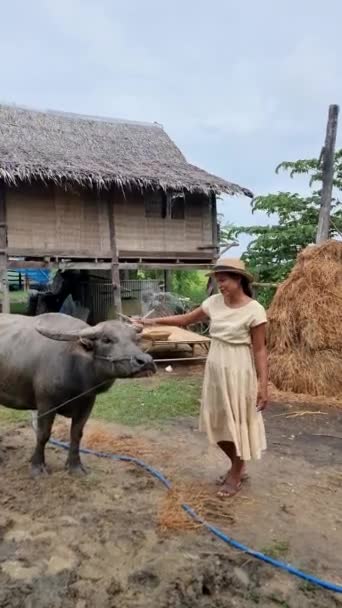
(50, 359)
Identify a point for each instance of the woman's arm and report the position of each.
(258, 335)
(190, 318)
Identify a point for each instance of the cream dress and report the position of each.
(228, 411)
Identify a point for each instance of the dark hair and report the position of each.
(247, 287)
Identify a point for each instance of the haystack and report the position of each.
(305, 324)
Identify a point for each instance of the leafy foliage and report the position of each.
(273, 250)
(191, 284)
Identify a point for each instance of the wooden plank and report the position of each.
(15, 264)
(58, 253)
(191, 265)
(157, 256)
(115, 273)
(77, 265)
(174, 360)
(177, 335)
(328, 157)
(162, 255)
(3, 254)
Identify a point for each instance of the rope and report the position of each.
(89, 390)
(215, 531)
(58, 407)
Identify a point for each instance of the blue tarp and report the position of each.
(37, 276)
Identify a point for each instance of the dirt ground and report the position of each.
(95, 542)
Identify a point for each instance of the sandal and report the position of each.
(229, 490)
(220, 481)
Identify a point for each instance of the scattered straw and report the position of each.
(98, 437)
(202, 498)
(305, 325)
(297, 414)
(309, 413)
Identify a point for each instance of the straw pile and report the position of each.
(290, 398)
(172, 518)
(305, 325)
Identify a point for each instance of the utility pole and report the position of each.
(327, 164)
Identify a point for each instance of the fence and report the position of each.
(136, 297)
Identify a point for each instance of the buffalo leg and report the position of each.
(44, 426)
(34, 420)
(78, 422)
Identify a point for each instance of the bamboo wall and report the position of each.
(136, 232)
(48, 220)
(52, 220)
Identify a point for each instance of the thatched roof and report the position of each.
(58, 147)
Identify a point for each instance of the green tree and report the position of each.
(273, 249)
(191, 284)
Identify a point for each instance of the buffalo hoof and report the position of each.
(76, 469)
(39, 470)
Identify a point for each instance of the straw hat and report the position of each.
(233, 266)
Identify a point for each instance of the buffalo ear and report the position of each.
(87, 344)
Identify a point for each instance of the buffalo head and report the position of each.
(113, 345)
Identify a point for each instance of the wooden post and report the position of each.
(214, 223)
(328, 156)
(3, 251)
(167, 280)
(115, 272)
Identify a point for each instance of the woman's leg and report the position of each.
(228, 448)
(232, 481)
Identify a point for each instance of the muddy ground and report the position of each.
(95, 542)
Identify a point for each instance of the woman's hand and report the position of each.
(189, 318)
(142, 322)
(258, 335)
(262, 399)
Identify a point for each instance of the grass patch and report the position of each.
(18, 296)
(8, 416)
(277, 549)
(134, 402)
(308, 588)
(18, 308)
(18, 302)
(140, 401)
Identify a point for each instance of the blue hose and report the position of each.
(215, 531)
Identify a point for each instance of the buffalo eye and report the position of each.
(106, 340)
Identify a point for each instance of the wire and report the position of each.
(310, 578)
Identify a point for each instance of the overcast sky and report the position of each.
(239, 86)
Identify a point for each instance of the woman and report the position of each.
(232, 401)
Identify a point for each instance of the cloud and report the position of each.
(239, 86)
